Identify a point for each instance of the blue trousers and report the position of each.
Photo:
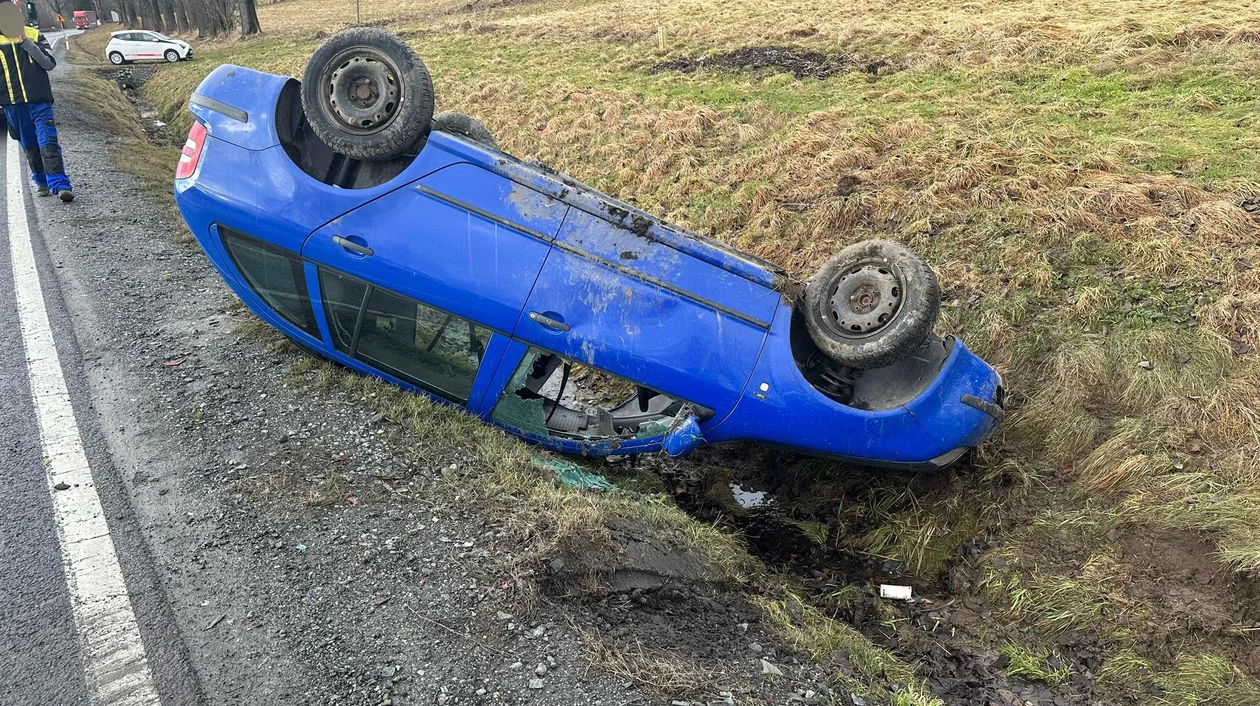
(33, 125)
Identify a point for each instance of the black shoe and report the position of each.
(42, 191)
(65, 195)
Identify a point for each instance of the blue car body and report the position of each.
(532, 268)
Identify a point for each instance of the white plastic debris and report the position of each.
(894, 592)
(749, 499)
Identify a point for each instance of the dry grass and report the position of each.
(878, 672)
(88, 49)
(668, 674)
(1074, 170)
(134, 152)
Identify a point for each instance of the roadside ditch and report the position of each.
(768, 575)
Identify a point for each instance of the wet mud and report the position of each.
(801, 63)
(792, 526)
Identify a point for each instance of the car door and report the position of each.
(446, 262)
(622, 302)
(127, 45)
(145, 46)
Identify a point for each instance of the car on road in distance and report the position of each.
(408, 246)
(144, 45)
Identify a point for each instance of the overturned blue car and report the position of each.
(407, 246)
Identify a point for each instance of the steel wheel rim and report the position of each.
(362, 90)
(864, 299)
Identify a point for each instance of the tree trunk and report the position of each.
(155, 13)
(129, 14)
(168, 16)
(184, 15)
(211, 17)
(198, 16)
(225, 16)
(249, 17)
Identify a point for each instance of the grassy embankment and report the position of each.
(1076, 172)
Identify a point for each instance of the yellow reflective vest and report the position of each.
(24, 80)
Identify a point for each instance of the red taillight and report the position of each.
(191, 154)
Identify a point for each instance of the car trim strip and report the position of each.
(595, 258)
(988, 408)
(219, 106)
(483, 213)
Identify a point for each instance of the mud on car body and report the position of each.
(408, 246)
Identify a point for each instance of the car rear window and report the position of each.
(275, 275)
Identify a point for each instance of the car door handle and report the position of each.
(548, 322)
(353, 246)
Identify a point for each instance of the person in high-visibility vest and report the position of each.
(28, 104)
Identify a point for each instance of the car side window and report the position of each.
(344, 298)
(426, 347)
(551, 396)
(275, 275)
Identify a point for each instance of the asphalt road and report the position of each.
(39, 662)
(63, 639)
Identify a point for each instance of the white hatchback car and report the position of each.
(144, 45)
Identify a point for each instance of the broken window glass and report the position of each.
(551, 396)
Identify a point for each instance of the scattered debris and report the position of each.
(572, 475)
(216, 621)
(749, 499)
(173, 362)
(1146, 365)
(62, 486)
(895, 592)
(767, 668)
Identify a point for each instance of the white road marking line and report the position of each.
(113, 652)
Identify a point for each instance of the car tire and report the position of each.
(872, 304)
(464, 126)
(116, 58)
(391, 111)
(171, 56)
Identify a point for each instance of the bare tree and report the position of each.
(56, 8)
(129, 13)
(249, 17)
(153, 16)
(168, 16)
(205, 18)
